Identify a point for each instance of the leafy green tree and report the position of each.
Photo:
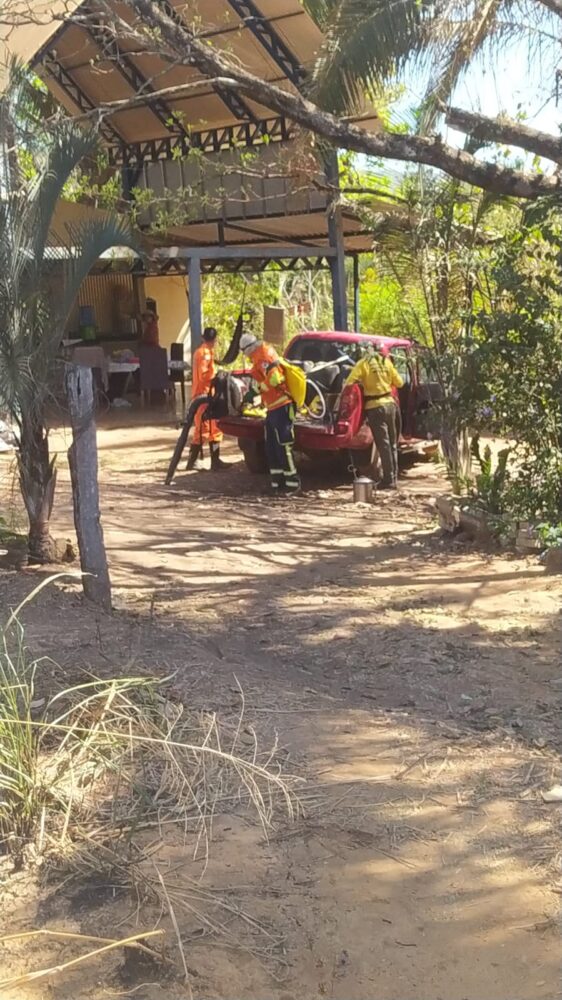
(305, 296)
(514, 380)
(438, 255)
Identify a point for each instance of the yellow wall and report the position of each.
(170, 293)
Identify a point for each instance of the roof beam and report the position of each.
(274, 237)
(270, 40)
(110, 48)
(213, 140)
(303, 263)
(257, 266)
(77, 96)
(240, 253)
(231, 29)
(235, 104)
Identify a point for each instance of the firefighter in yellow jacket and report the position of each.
(378, 377)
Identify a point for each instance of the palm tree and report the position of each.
(34, 304)
(369, 42)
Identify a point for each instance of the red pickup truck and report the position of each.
(335, 422)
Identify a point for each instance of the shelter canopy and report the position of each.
(71, 49)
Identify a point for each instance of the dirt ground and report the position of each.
(415, 686)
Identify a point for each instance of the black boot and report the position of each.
(216, 461)
(194, 460)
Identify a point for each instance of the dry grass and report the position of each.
(105, 945)
(94, 776)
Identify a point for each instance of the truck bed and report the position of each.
(314, 436)
(308, 434)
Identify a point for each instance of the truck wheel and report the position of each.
(254, 456)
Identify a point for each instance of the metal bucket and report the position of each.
(363, 490)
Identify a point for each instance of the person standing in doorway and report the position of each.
(268, 373)
(204, 371)
(150, 331)
(378, 377)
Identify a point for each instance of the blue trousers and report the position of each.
(279, 444)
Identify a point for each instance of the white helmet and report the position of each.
(248, 343)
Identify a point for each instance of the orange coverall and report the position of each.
(267, 372)
(203, 374)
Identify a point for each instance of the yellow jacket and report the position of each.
(378, 376)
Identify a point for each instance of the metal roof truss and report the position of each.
(240, 266)
(246, 135)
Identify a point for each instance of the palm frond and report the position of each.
(459, 35)
(370, 42)
(69, 146)
(365, 44)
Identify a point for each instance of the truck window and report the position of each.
(322, 351)
(401, 361)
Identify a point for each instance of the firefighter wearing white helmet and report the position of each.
(268, 372)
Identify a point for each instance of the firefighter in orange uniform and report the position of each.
(279, 423)
(204, 371)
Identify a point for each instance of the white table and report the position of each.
(128, 368)
(123, 367)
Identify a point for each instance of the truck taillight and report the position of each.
(346, 404)
(350, 410)
(350, 399)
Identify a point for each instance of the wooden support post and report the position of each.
(337, 242)
(83, 461)
(356, 295)
(195, 305)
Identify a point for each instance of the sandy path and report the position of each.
(415, 686)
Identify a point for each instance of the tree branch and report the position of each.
(505, 130)
(142, 99)
(432, 151)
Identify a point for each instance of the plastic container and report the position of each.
(86, 316)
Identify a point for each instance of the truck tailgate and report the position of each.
(308, 435)
(250, 428)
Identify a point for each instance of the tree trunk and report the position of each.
(83, 461)
(37, 481)
(455, 443)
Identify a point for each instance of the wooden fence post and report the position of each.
(83, 461)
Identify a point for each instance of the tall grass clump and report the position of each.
(95, 763)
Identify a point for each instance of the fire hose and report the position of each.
(184, 434)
